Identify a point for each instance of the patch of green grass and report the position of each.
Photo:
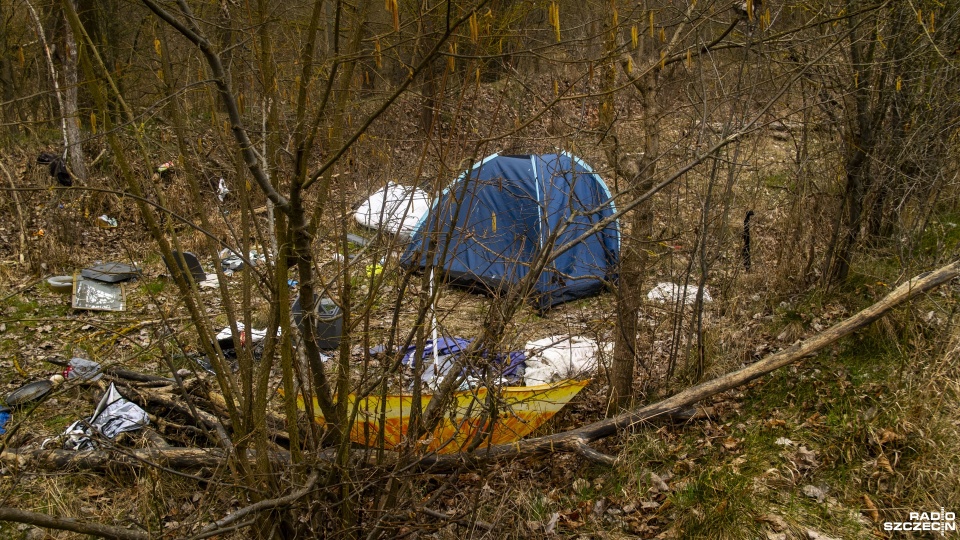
(719, 503)
(942, 235)
(155, 287)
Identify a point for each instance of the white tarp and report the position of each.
(395, 209)
(556, 358)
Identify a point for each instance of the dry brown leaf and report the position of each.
(871, 509)
(884, 464)
(887, 436)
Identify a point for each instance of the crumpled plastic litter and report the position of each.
(106, 222)
(114, 415)
(669, 293)
(231, 261)
(222, 190)
(256, 335)
(512, 364)
(561, 357)
(82, 369)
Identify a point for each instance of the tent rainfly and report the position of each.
(486, 229)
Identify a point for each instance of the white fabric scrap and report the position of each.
(669, 293)
(560, 357)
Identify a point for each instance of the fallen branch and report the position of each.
(575, 440)
(69, 524)
(175, 458)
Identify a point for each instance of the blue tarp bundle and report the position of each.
(486, 230)
(510, 365)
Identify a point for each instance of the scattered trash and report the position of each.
(210, 281)
(231, 261)
(28, 393)
(187, 262)
(82, 369)
(4, 418)
(58, 168)
(106, 222)
(437, 366)
(358, 240)
(61, 284)
(113, 416)
(395, 208)
(783, 441)
(165, 167)
(667, 292)
(292, 283)
(556, 358)
(222, 190)
(225, 336)
(111, 272)
(98, 296)
(329, 322)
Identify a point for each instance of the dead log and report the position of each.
(174, 458)
(69, 524)
(575, 440)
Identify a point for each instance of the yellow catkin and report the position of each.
(634, 37)
(474, 28)
(93, 123)
(156, 47)
(556, 19)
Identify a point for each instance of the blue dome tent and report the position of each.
(487, 227)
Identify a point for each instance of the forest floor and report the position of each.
(860, 435)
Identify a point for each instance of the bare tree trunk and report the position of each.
(71, 110)
(634, 256)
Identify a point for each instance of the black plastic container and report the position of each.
(329, 322)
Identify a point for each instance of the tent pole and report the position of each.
(433, 320)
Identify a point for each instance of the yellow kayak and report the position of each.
(522, 409)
